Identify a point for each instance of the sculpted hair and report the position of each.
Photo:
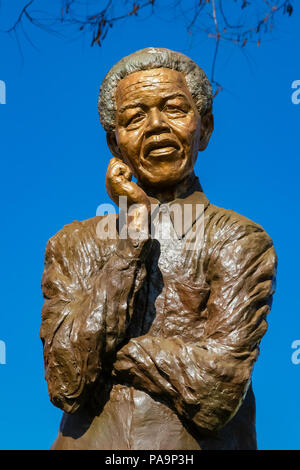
(151, 58)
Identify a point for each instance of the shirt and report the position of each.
(149, 344)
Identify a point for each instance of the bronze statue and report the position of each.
(149, 343)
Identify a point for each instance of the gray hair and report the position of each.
(151, 58)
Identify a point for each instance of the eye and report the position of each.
(175, 111)
(135, 119)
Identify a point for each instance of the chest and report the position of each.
(172, 301)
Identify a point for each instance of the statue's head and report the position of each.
(156, 106)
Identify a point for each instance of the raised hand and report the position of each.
(118, 183)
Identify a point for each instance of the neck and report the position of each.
(181, 189)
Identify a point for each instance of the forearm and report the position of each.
(203, 387)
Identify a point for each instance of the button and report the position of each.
(164, 208)
(135, 243)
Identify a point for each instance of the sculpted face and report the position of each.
(158, 127)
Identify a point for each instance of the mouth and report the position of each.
(160, 147)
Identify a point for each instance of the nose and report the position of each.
(156, 123)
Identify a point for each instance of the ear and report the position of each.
(207, 126)
(113, 145)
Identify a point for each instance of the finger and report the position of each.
(119, 168)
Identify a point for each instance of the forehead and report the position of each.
(150, 84)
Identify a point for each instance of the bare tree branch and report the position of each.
(208, 17)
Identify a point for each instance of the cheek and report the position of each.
(127, 141)
(130, 144)
(187, 130)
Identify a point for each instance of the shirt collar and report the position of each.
(184, 211)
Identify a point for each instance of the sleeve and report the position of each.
(88, 303)
(206, 382)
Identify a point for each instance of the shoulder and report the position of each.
(74, 233)
(227, 225)
(78, 242)
(236, 242)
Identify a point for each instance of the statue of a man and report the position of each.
(149, 341)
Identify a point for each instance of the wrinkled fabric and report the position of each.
(150, 345)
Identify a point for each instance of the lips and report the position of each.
(160, 146)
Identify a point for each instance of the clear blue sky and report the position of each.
(53, 163)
